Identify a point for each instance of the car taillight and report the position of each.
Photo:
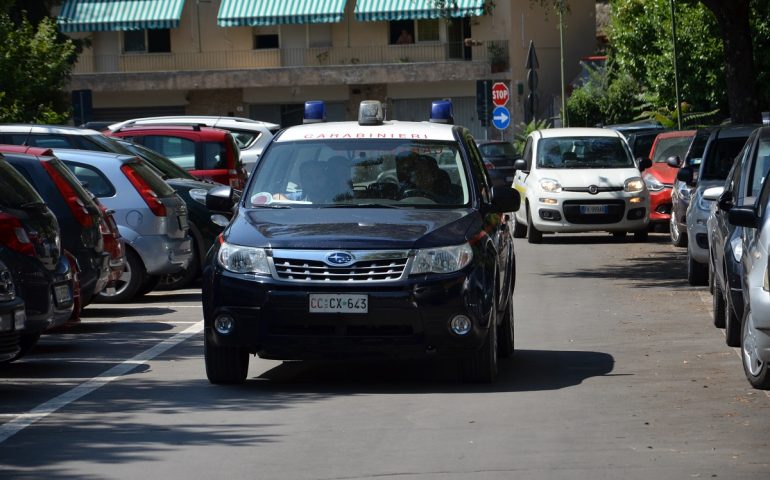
(145, 190)
(13, 235)
(75, 204)
(489, 166)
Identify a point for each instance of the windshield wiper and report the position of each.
(273, 205)
(361, 205)
(33, 205)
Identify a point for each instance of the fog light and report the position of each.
(460, 325)
(224, 324)
(19, 317)
(549, 201)
(635, 200)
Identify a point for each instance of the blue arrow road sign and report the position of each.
(501, 118)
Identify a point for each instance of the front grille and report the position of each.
(598, 189)
(702, 240)
(9, 343)
(615, 211)
(315, 270)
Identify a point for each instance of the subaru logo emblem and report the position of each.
(593, 189)
(339, 259)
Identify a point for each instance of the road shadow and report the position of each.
(601, 238)
(528, 370)
(117, 312)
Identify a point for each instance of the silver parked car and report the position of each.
(755, 325)
(151, 217)
(251, 136)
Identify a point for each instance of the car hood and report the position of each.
(663, 172)
(346, 228)
(583, 177)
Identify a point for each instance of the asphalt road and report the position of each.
(619, 373)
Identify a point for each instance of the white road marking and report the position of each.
(24, 420)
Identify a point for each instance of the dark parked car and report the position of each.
(193, 191)
(12, 316)
(30, 246)
(498, 157)
(742, 188)
(78, 216)
(680, 193)
(639, 135)
(723, 145)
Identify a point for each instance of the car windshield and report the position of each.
(360, 173)
(670, 147)
(15, 192)
(720, 157)
(583, 152)
(168, 168)
(497, 150)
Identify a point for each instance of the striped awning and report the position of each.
(112, 15)
(378, 10)
(254, 13)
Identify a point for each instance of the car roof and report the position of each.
(208, 120)
(578, 132)
(36, 151)
(391, 129)
(92, 156)
(734, 130)
(209, 131)
(62, 129)
(676, 133)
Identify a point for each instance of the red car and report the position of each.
(207, 153)
(661, 176)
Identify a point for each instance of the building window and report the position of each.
(147, 41)
(410, 31)
(265, 41)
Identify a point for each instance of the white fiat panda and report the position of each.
(580, 180)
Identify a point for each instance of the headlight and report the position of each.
(653, 184)
(737, 245)
(704, 204)
(550, 185)
(7, 291)
(633, 185)
(683, 190)
(442, 260)
(199, 195)
(238, 259)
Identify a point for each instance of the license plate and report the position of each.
(62, 294)
(593, 209)
(338, 303)
(183, 222)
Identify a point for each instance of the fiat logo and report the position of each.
(593, 189)
(339, 258)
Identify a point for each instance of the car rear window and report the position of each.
(179, 150)
(161, 188)
(15, 191)
(72, 180)
(244, 139)
(94, 180)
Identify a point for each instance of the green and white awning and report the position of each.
(111, 15)
(253, 13)
(378, 10)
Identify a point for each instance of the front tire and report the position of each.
(678, 238)
(505, 332)
(519, 229)
(641, 235)
(225, 365)
(697, 274)
(533, 234)
(481, 366)
(732, 323)
(754, 367)
(718, 304)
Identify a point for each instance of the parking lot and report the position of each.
(623, 376)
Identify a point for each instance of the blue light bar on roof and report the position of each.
(315, 111)
(441, 112)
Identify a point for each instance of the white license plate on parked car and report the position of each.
(593, 209)
(338, 303)
(183, 222)
(62, 294)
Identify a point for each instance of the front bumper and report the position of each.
(759, 319)
(12, 319)
(660, 206)
(564, 212)
(697, 234)
(407, 320)
(163, 255)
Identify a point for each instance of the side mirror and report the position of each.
(520, 164)
(743, 217)
(644, 163)
(713, 193)
(505, 199)
(685, 174)
(674, 161)
(221, 199)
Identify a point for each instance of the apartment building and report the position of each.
(264, 58)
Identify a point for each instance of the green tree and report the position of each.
(35, 64)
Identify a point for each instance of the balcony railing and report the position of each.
(491, 51)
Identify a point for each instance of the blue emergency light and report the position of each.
(441, 112)
(315, 111)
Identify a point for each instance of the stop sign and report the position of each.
(500, 94)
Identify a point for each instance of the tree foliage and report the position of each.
(35, 64)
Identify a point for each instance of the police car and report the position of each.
(364, 239)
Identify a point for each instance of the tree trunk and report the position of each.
(733, 19)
